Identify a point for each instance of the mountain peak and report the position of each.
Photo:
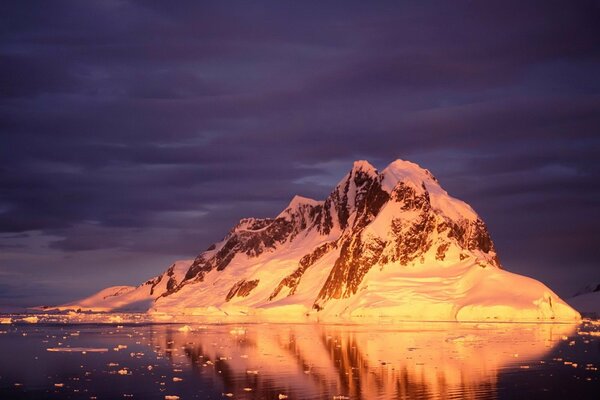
(364, 165)
(297, 202)
(406, 171)
(301, 200)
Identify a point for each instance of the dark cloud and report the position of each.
(135, 132)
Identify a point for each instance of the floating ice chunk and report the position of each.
(177, 379)
(123, 371)
(32, 320)
(6, 320)
(171, 397)
(185, 328)
(282, 396)
(463, 339)
(77, 349)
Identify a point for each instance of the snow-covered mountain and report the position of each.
(587, 300)
(382, 244)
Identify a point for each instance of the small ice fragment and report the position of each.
(247, 389)
(123, 371)
(185, 328)
(171, 397)
(282, 396)
(229, 394)
(252, 372)
(59, 384)
(31, 320)
(177, 379)
(5, 320)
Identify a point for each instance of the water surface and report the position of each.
(63, 360)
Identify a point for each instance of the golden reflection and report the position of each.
(411, 360)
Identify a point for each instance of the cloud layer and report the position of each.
(134, 132)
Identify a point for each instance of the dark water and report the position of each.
(271, 361)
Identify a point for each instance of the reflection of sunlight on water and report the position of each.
(411, 360)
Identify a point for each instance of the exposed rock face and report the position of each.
(251, 237)
(291, 281)
(383, 241)
(169, 275)
(241, 289)
(350, 208)
(409, 238)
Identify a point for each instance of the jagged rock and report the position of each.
(241, 289)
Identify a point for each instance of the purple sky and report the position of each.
(138, 132)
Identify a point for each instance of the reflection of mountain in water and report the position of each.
(313, 361)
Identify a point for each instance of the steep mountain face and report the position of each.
(381, 244)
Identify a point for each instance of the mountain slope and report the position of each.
(587, 300)
(381, 244)
(132, 298)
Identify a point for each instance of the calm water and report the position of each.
(270, 361)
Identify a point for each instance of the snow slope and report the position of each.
(131, 298)
(390, 244)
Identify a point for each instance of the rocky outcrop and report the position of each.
(293, 280)
(409, 238)
(241, 289)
